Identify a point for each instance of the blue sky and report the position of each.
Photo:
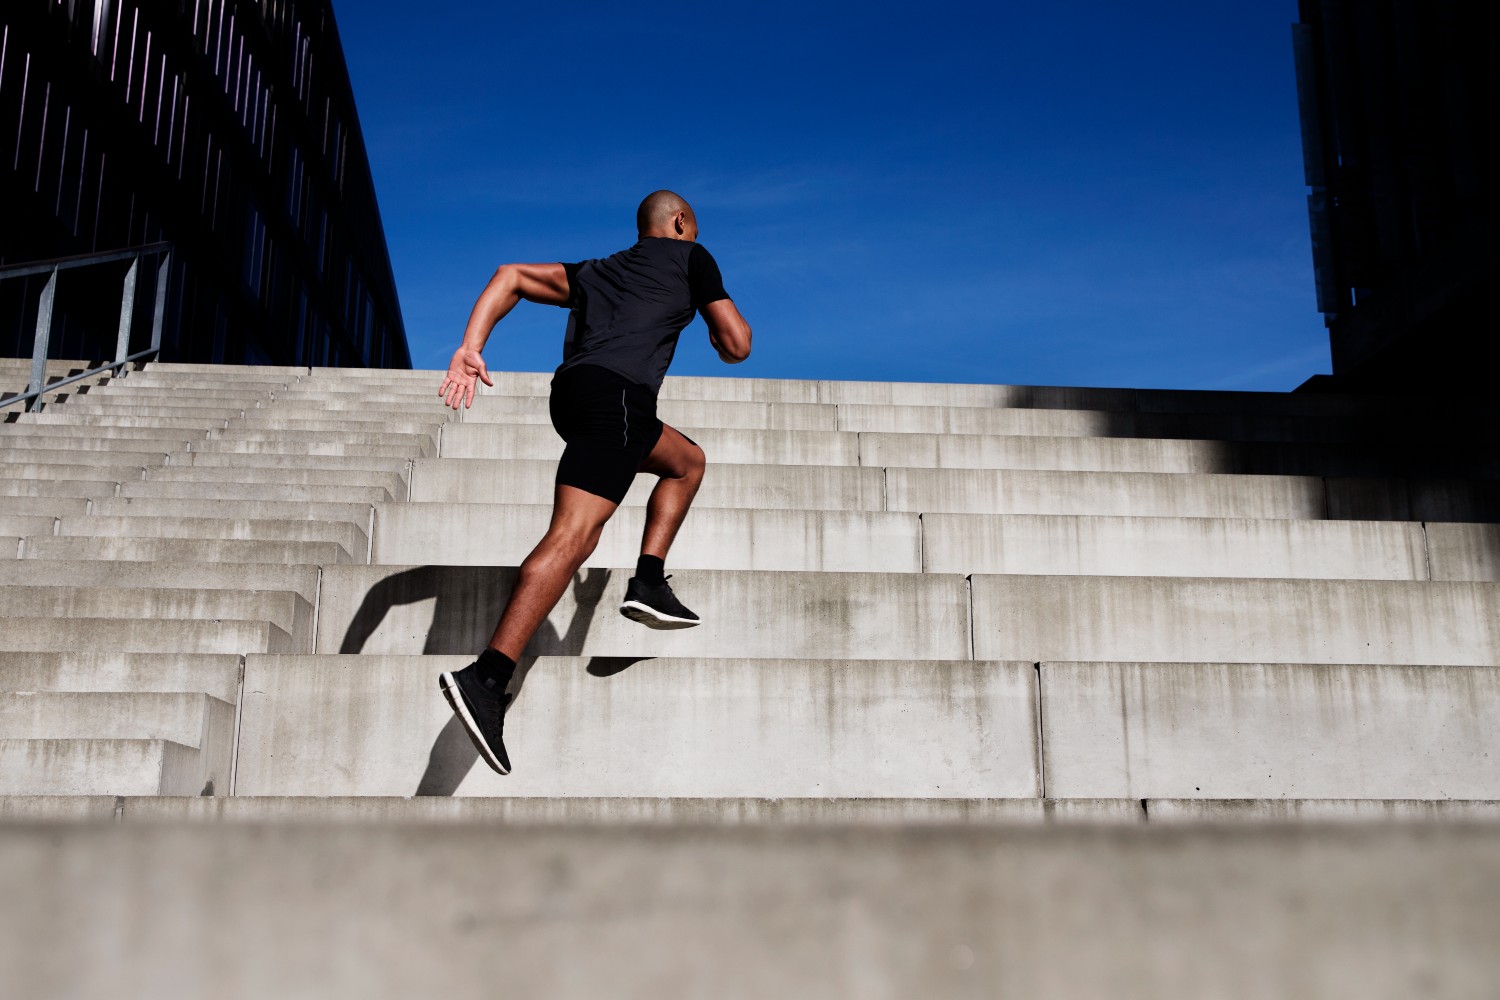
(1076, 193)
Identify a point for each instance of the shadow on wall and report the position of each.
(461, 596)
(1382, 458)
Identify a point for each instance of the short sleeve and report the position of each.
(705, 284)
(572, 272)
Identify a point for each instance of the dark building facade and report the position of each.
(1400, 105)
(225, 127)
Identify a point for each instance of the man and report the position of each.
(626, 313)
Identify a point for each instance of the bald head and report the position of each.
(665, 213)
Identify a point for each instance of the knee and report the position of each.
(697, 461)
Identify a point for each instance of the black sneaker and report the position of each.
(655, 606)
(482, 711)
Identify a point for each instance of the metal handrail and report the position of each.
(38, 385)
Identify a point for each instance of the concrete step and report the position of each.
(122, 392)
(47, 635)
(10, 546)
(70, 489)
(54, 472)
(217, 676)
(349, 537)
(76, 450)
(357, 514)
(104, 809)
(69, 460)
(749, 486)
(168, 383)
(105, 767)
(1464, 551)
(980, 491)
(302, 580)
(616, 809)
(1151, 619)
(222, 372)
(42, 506)
(354, 400)
(332, 447)
(292, 613)
(438, 609)
(332, 463)
(954, 451)
(582, 811)
(536, 442)
(21, 525)
(139, 409)
(1269, 731)
(712, 538)
(290, 419)
(394, 482)
(1249, 912)
(394, 440)
(1096, 423)
(227, 487)
(191, 719)
(677, 412)
(60, 418)
(453, 609)
(17, 434)
(653, 727)
(1175, 546)
(190, 550)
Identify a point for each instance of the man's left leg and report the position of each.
(679, 463)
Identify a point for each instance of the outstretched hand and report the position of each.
(458, 385)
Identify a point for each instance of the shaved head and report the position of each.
(659, 210)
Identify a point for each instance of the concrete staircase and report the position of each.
(939, 620)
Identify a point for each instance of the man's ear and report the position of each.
(680, 222)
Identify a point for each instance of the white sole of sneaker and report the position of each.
(651, 618)
(461, 709)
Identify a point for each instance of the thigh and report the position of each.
(674, 455)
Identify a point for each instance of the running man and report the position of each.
(626, 312)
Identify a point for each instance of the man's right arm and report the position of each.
(544, 283)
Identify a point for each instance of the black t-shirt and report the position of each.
(627, 310)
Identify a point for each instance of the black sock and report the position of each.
(494, 665)
(649, 569)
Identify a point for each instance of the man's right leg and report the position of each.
(477, 692)
(649, 599)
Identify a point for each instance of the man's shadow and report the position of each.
(465, 597)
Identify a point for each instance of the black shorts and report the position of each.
(610, 425)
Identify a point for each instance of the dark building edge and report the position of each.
(229, 129)
(1400, 109)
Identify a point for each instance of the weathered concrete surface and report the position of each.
(749, 486)
(1413, 500)
(1060, 912)
(48, 506)
(104, 767)
(107, 635)
(214, 675)
(392, 482)
(711, 538)
(59, 488)
(302, 580)
(21, 525)
(377, 725)
(1149, 619)
(288, 610)
(251, 491)
(53, 463)
(1126, 494)
(1321, 811)
(453, 609)
(1173, 546)
(208, 550)
(533, 442)
(46, 471)
(1263, 731)
(1464, 551)
(677, 412)
(59, 808)
(609, 810)
(281, 510)
(351, 538)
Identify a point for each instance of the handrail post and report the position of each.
(163, 275)
(127, 312)
(43, 340)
